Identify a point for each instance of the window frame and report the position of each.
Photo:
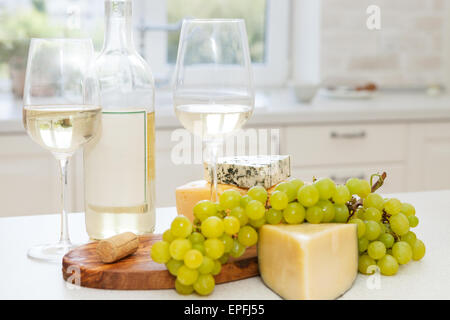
(271, 73)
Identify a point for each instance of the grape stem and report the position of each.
(379, 182)
(355, 203)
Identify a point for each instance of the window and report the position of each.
(267, 23)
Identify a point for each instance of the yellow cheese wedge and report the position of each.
(189, 194)
(308, 261)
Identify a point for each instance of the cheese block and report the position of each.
(308, 261)
(189, 194)
(249, 171)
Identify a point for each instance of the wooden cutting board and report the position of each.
(138, 271)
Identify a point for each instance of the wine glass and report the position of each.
(61, 112)
(213, 90)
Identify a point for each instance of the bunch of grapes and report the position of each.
(195, 252)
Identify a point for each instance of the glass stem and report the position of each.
(64, 238)
(213, 148)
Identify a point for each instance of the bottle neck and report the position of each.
(118, 30)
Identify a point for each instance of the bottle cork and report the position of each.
(117, 247)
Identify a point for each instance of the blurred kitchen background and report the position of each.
(347, 100)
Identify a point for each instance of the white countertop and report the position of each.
(279, 107)
(24, 278)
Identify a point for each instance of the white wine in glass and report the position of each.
(61, 113)
(213, 91)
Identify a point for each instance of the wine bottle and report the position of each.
(119, 164)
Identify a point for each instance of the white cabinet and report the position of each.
(344, 151)
(169, 173)
(30, 180)
(429, 157)
(28, 177)
(345, 144)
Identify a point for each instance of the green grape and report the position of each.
(373, 230)
(314, 214)
(392, 206)
(383, 227)
(413, 221)
(173, 266)
(402, 252)
(181, 227)
(179, 247)
(214, 248)
(363, 243)
(207, 266)
(327, 209)
(227, 242)
(295, 184)
(200, 247)
(245, 200)
(182, 289)
(279, 200)
(274, 216)
(418, 249)
(365, 264)
(160, 252)
(212, 227)
(342, 195)
(360, 225)
(255, 210)
(387, 239)
(204, 209)
(239, 212)
(341, 213)
(294, 213)
(353, 185)
(258, 193)
(388, 265)
(376, 250)
(399, 224)
(258, 223)
(409, 237)
(360, 213)
(372, 214)
(186, 275)
(168, 236)
(196, 237)
(219, 208)
(288, 188)
(364, 189)
(231, 225)
(326, 188)
(204, 284)
(308, 195)
(193, 259)
(374, 200)
(224, 258)
(408, 209)
(230, 199)
(217, 268)
(247, 236)
(237, 250)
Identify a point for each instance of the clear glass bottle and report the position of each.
(119, 165)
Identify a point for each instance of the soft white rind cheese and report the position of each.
(308, 261)
(249, 171)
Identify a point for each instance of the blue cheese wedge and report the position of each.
(249, 171)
